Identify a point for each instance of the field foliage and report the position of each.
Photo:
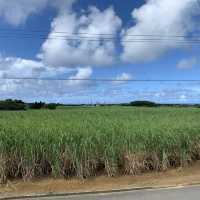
(88, 141)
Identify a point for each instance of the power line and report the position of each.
(90, 35)
(54, 36)
(95, 34)
(141, 37)
(143, 41)
(80, 37)
(99, 79)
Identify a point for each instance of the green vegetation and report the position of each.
(40, 105)
(144, 103)
(10, 104)
(88, 141)
(37, 105)
(51, 106)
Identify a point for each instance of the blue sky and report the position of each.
(42, 56)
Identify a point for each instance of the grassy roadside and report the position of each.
(173, 177)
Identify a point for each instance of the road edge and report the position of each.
(46, 195)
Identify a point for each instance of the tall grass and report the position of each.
(86, 142)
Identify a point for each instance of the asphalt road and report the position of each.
(188, 193)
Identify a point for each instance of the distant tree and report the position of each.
(10, 104)
(37, 105)
(51, 106)
(143, 103)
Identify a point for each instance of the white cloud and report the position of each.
(162, 18)
(183, 97)
(122, 78)
(11, 67)
(62, 5)
(187, 63)
(18, 67)
(16, 12)
(58, 52)
(174, 95)
(82, 73)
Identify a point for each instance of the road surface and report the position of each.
(188, 193)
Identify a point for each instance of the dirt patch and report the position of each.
(181, 176)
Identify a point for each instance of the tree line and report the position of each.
(14, 104)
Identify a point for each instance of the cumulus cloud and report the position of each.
(175, 95)
(82, 51)
(15, 67)
(82, 73)
(60, 57)
(16, 12)
(122, 78)
(11, 67)
(18, 67)
(187, 63)
(162, 18)
(164, 95)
